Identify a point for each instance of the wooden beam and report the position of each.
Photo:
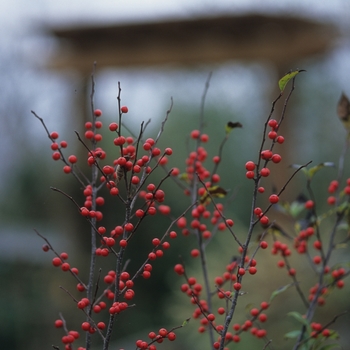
(277, 39)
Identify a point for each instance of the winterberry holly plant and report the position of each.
(126, 177)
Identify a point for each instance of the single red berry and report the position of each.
(266, 154)
(261, 189)
(250, 166)
(45, 248)
(274, 199)
(204, 138)
(254, 312)
(237, 286)
(265, 172)
(317, 245)
(195, 134)
(273, 123)
(124, 109)
(101, 325)
(216, 159)
(85, 326)
(264, 220)
(123, 243)
(58, 323)
(113, 126)
(195, 253)
(54, 135)
(241, 271)
(309, 204)
(250, 174)
(252, 270)
(258, 211)
(280, 139)
(263, 245)
(72, 159)
(89, 134)
(331, 200)
(276, 158)
(56, 155)
(272, 135)
(179, 269)
(97, 112)
(56, 261)
(67, 169)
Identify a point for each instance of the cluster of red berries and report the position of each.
(257, 315)
(155, 338)
(134, 169)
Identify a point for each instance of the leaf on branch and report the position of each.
(284, 80)
(343, 111)
(230, 126)
(280, 290)
(292, 334)
(275, 230)
(214, 191)
(184, 323)
(313, 170)
(299, 317)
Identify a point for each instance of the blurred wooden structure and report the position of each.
(280, 40)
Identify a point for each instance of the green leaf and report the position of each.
(230, 126)
(299, 318)
(292, 334)
(184, 323)
(312, 171)
(280, 290)
(215, 192)
(284, 80)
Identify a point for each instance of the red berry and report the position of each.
(89, 134)
(276, 158)
(265, 172)
(254, 312)
(250, 174)
(263, 245)
(58, 323)
(56, 156)
(56, 261)
(273, 123)
(97, 112)
(272, 135)
(280, 139)
(266, 154)
(179, 269)
(195, 253)
(123, 243)
(309, 204)
(72, 159)
(252, 270)
(113, 127)
(101, 325)
(124, 109)
(237, 286)
(273, 199)
(250, 166)
(264, 220)
(54, 135)
(195, 134)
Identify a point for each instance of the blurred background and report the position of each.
(45, 53)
